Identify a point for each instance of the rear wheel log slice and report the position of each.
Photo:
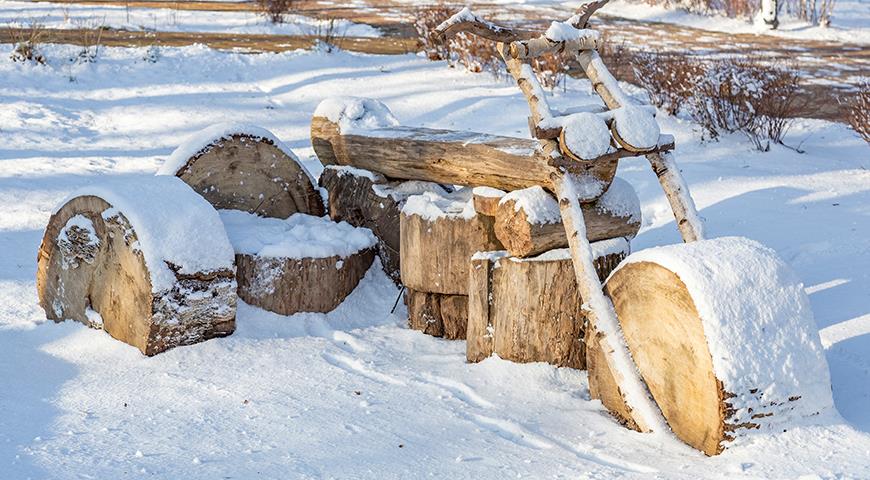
(120, 257)
(241, 167)
(301, 264)
(722, 334)
(367, 199)
(529, 310)
(439, 234)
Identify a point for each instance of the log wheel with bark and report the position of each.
(242, 167)
(145, 259)
(300, 264)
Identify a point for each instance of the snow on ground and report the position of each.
(355, 394)
(65, 16)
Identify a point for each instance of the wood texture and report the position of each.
(443, 156)
(524, 239)
(435, 253)
(437, 315)
(486, 205)
(289, 285)
(253, 175)
(528, 310)
(353, 200)
(108, 275)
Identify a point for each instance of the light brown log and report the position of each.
(290, 285)
(253, 175)
(524, 239)
(105, 273)
(353, 198)
(437, 315)
(528, 310)
(435, 253)
(487, 204)
(443, 156)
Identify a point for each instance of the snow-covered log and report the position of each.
(363, 133)
(243, 167)
(146, 259)
(367, 199)
(436, 314)
(486, 200)
(528, 221)
(722, 333)
(439, 234)
(301, 264)
(529, 310)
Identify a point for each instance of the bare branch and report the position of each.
(467, 21)
(585, 11)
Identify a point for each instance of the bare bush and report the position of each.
(28, 43)
(327, 34)
(859, 112)
(668, 78)
(551, 69)
(425, 21)
(816, 12)
(275, 10)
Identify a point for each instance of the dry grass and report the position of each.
(275, 10)
(669, 79)
(28, 42)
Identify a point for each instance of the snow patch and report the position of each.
(637, 126)
(488, 192)
(601, 248)
(621, 200)
(300, 236)
(432, 206)
(539, 205)
(352, 113)
(586, 135)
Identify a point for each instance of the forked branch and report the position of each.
(467, 21)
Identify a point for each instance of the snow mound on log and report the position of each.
(173, 225)
(758, 324)
(202, 141)
(399, 192)
(300, 236)
(352, 113)
(488, 192)
(636, 126)
(343, 170)
(566, 32)
(586, 135)
(621, 200)
(601, 248)
(432, 205)
(539, 205)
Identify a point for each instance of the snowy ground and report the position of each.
(355, 394)
(57, 15)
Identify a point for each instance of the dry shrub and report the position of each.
(275, 10)
(551, 69)
(749, 96)
(859, 112)
(327, 34)
(816, 12)
(425, 22)
(28, 43)
(668, 78)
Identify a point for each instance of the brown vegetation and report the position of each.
(27, 43)
(275, 10)
(859, 112)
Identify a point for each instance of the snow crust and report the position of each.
(173, 224)
(400, 191)
(343, 170)
(586, 135)
(488, 192)
(356, 113)
(601, 248)
(300, 236)
(758, 324)
(565, 32)
(214, 134)
(432, 206)
(637, 126)
(621, 200)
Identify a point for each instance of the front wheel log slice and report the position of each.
(722, 333)
(242, 167)
(118, 256)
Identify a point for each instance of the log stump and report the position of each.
(241, 167)
(439, 234)
(301, 264)
(722, 333)
(529, 310)
(122, 257)
(437, 315)
(367, 199)
(528, 221)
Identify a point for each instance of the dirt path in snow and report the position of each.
(832, 71)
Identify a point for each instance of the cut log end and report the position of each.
(437, 315)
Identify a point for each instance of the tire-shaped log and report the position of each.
(722, 333)
(241, 167)
(120, 257)
(301, 264)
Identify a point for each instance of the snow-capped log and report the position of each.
(301, 264)
(717, 365)
(146, 259)
(367, 199)
(243, 167)
(436, 314)
(363, 134)
(486, 200)
(552, 330)
(528, 221)
(439, 234)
